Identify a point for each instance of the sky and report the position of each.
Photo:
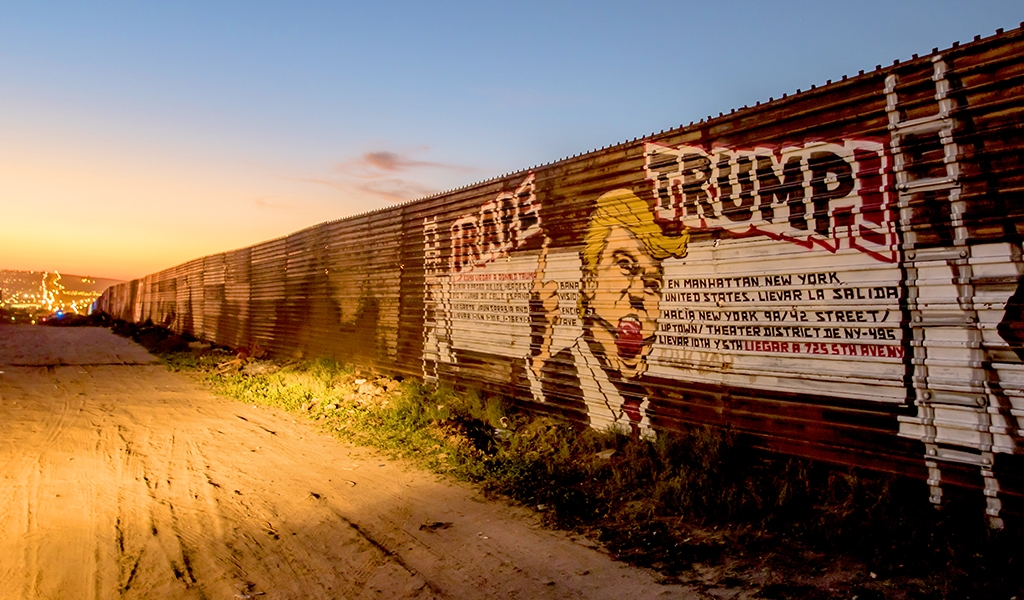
(135, 136)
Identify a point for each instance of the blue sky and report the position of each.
(152, 134)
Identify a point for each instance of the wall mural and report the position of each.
(769, 269)
(641, 297)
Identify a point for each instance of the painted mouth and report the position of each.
(629, 338)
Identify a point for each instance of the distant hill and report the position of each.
(48, 292)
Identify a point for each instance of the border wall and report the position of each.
(833, 274)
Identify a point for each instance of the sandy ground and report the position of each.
(119, 478)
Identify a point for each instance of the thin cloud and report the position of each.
(396, 189)
(392, 189)
(379, 164)
(386, 174)
(265, 202)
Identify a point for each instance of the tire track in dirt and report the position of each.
(140, 484)
(167, 564)
(28, 481)
(30, 560)
(131, 524)
(347, 563)
(390, 554)
(57, 501)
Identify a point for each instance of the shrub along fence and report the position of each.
(832, 274)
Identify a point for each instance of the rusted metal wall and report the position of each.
(833, 274)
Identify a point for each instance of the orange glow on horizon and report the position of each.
(115, 215)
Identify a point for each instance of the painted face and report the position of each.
(622, 303)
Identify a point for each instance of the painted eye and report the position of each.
(652, 286)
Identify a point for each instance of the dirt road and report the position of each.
(119, 478)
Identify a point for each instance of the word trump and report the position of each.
(815, 194)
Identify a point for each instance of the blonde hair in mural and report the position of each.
(622, 208)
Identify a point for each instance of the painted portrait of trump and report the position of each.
(601, 373)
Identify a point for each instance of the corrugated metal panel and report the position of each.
(267, 290)
(193, 272)
(834, 274)
(166, 298)
(234, 331)
(300, 292)
(214, 275)
(323, 317)
(182, 299)
(363, 274)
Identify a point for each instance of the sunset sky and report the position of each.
(136, 136)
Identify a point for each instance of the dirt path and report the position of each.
(121, 479)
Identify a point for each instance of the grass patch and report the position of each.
(698, 506)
